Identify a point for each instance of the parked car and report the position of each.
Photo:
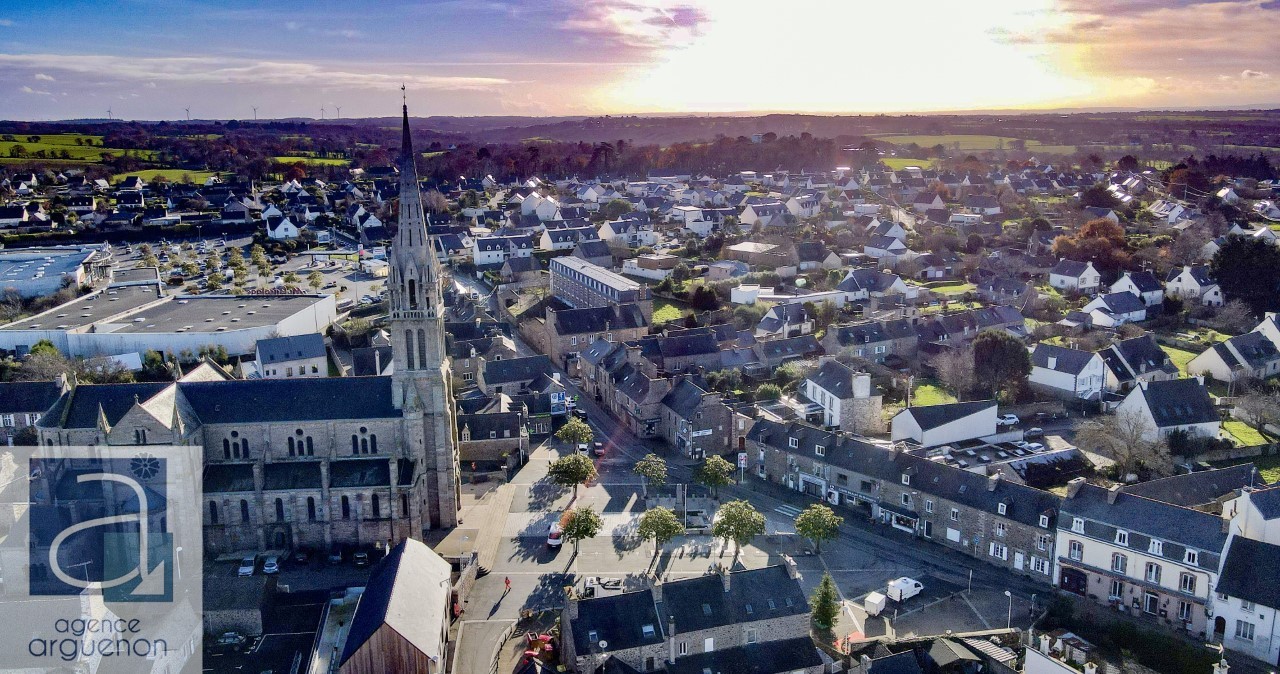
(335, 555)
(584, 448)
(360, 559)
(247, 566)
(598, 449)
(902, 589)
(1007, 420)
(1034, 432)
(555, 536)
(271, 566)
(231, 641)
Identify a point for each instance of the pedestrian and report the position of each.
(506, 580)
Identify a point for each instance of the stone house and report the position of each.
(511, 375)
(845, 399)
(873, 340)
(695, 422)
(22, 403)
(569, 331)
(495, 438)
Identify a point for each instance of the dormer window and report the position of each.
(1044, 521)
(906, 479)
(648, 631)
(1156, 547)
(820, 450)
(1077, 525)
(1002, 509)
(793, 443)
(1122, 538)
(1191, 557)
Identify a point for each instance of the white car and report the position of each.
(271, 566)
(1007, 420)
(555, 535)
(247, 566)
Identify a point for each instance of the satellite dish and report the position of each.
(603, 644)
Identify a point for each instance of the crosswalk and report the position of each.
(789, 511)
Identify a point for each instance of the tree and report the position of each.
(654, 471)
(581, 524)
(659, 525)
(214, 283)
(954, 369)
(818, 523)
(681, 273)
(739, 522)
(768, 392)
(616, 209)
(1128, 163)
(44, 347)
(1235, 317)
(714, 472)
(571, 471)
(1248, 269)
(1099, 196)
(1000, 361)
(1101, 241)
(576, 432)
(1128, 439)
(316, 280)
(436, 202)
(825, 603)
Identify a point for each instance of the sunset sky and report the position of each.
(149, 59)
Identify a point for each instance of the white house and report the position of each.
(292, 357)
(1251, 355)
(925, 201)
(843, 398)
(1171, 405)
(496, 249)
(281, 228)
(1245, 609)
(631, 232)
(1078, 276)
(934, 425)
(1115, 309)
(764, 214)
(1067, 373)
(1192, 283)
(884, 248)
(805, 205)
(1142, 284)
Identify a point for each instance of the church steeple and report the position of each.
(406, 140)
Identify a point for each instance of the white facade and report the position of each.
(1088, 382)
(1136, 403)
(979, 424)
(1087, 282)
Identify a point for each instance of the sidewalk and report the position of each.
(488, 517)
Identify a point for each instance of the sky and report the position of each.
(153, 59)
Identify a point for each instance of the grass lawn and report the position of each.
(899, 163)
(931, 394)
(954, 288)
(171, 175)
(55, 144)
(665, 310)
(1268, 466)
(951, 307)
(1243, 433)
(322, 161)
(1180, 357)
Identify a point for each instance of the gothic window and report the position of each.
(290, 446)
(377, 507)
(346, 508)
(413, 294)
(226, 448)
(213, 512)
(355, 444)
(244, 511)
(311, 450)
(311, 508)
(408, 347)
(404, 505)
(422, 347)
(373, 443)
(279, 510)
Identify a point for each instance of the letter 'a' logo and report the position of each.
(109, 530)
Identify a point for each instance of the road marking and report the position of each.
(789, 511)
(975, 611)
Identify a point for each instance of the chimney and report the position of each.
(1143, 384)
(792, 570)
(571, 603)
(671, 639)
(377, 362)
(724, 577)
(1112, 493)
(993, 481)
(1090, 668)
(1200, 378)
(1044, 644)
(1073, 486)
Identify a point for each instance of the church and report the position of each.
(312, 462)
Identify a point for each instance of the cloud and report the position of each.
(1253, 74)
(235, 71)
(640, 25)
(34, 92)
(6, 22)
(43, 77)
(291, 25)
(349, 34)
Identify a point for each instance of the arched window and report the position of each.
(422, 347)
(404, 505)
(311, 508)
(364, 445)
(226, 448)
(355, 444)
(290, 446)
(408, 348)
(377, 507)
(413, 294)
(244, 511)
(373, 443)
(346, 508)
(279, 510)
(213, 512)
(244, 448)
(311, 450)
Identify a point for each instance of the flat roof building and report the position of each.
(37, 272)
(582, 284)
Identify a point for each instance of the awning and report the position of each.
(899, 510)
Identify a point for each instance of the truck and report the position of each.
(902, 589)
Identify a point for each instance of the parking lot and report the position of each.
(942, 605)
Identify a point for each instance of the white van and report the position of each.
(902, 589)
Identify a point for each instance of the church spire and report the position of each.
(406, 142)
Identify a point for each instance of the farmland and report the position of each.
(53, 145)
(171, 175)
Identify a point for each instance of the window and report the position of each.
(684, 648)
(793, 443)
(1187, 583)
(213, 512)
(346, 508)
(1191, 557)
(1000, 529)
(311, 508)
(279, 510)
(1001, 509)
(906, 479)
(1153, 573)
(7, 420)
(708, 644)
(1119, 563)
(1117, 590)
(1122, 538)
(820, 450)
(1044, 521)
(1184, 611)
(999, 550)
(955, 515)
(1040, 565)
(290, 443)
(1156, 547)
(1042, 542)
(1077, 525)
(1075, 550)
(404, 505)
(377, 507)
(244, 511)
(648, 631)
(355, 444)
(751, 636)
(1244, 630)
(1246, 606)
(140, 436)
(288, 372)
(928, 505)
(906, 499)
(468, 376)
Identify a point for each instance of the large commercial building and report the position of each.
(581, 284)
(36, 272)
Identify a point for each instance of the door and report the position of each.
(1074, 580)
(1151, 603)
(1017, 561)
(928, 529)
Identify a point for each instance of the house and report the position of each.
(1004, 290)
(566, 238)
(884, 248)
(1136, 360)
(1193, 283)
(814, 255)
(777, 351)
(873, 340)
(1143, 284)
(861, 284)
(1067, 373)
(401, 622)
(843, 398)
(724, 270)
(766, 214)
(926, 200)
(280, 228)
(785, 320)
(511, 375)
(699, 617)
(982, 204)
(594, 251)
(1156, 560)
(695, 422)
(1248, 356)
(1170, 405)
(1115, 309)
(1244, 608)
(493, 250)
(22, 403)
(1098, 212)
(652, 266)
(495, 437)
(1080, 277)
(297, 356)
(934, 425)
(519, 269)
(770, 254)
(1269, 326)
(569, 331)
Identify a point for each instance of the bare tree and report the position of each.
(955, 370)
(1235, 317)
(1186, 249)
(1258, 406)
(1128, 439)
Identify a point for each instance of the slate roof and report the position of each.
(307, 399)
(1144, 280)
(1254, 347)
(874, 331)
(688, 345)
(1267, 501)
(762, 657)
(1194, 489)
(1070, 268)
(1136, 356)
(1122, 303)
(516, 369)
(1148, 517)
(78, 408)
(1199, 273)
(748, 599)
(617, 620)
(933, 416)
(592, 248)
(792, 347)
(18, 397)
(365, 360)
(282, 349)
(409, 591)
(1070, 361)
(1248, 561)
(836, 378)
(1178, 402)
(599, 319)
(684, 399)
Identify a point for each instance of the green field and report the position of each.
(1268, 466)
(954, 288)
(319, 161)
(54, 144)
(931, 394)
(1180, 357)
(665, 311)
(171, 175)
(899, 163)
(1244, 434)
(967, 142)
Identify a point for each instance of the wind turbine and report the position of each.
(188, 109)
(339, 107)
(322, 112)
(255, 113)
(109, 114)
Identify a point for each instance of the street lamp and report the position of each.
(1009, 622)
